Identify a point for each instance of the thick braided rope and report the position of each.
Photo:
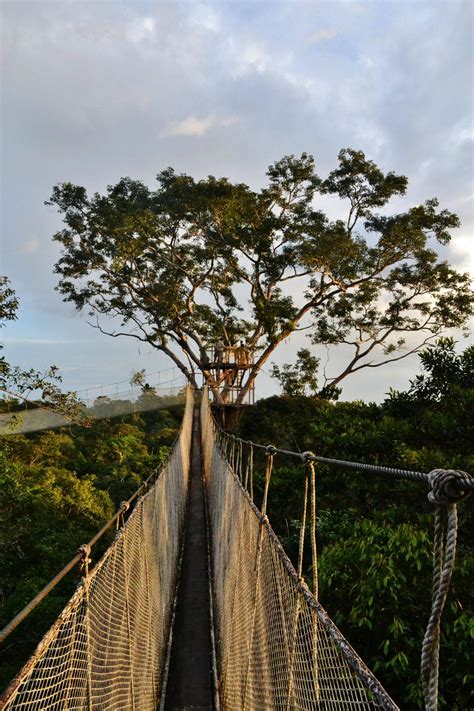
(445, 493)
(464, 482)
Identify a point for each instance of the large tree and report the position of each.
(194, 262)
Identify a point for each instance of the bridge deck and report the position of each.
(190, 672)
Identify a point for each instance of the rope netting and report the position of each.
(276, 646)
(107, 649)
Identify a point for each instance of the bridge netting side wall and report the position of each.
(107, 649)
(276, 646)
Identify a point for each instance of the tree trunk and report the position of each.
(227, 416)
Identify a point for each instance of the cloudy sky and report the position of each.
(92, 91)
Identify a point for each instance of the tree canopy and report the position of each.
(299, 378)
(193, 263)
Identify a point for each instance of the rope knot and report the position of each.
(306, 456)
(270, 450)
(124, 506)
(85, 551)
(445, 487)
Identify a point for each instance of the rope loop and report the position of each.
(270, 450)
(124, 506)
(307, 456)
(445, 487)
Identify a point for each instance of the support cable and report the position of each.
(464, 482)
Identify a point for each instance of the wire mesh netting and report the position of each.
(101, 407)
(276, 646)
(107, 649)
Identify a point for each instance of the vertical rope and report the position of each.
(444, 493)
(238, 459)
(444, 552)
(247, 467)
(231, 449)
(314, 553)
(85, 551)
(268, 473)
(303, 528)
(241, 461)
(314, 563)
(251, 474)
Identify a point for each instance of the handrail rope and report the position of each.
(464, 482)
(83, 550)
(314, 561)
(126, 380)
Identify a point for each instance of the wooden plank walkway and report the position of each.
(190, 673)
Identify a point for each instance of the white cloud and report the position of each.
(254, 57)
(321, 35)
(205, 17)
(462, 247)
(194, 126)
(29, 247)
(141, 30)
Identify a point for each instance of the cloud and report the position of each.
(463, 253)
(194, 126)
(205, 17)
(29, 247)
(321, 35)
(141, 30)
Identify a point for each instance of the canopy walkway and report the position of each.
(196, 605)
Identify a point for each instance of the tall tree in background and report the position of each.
(193, 263)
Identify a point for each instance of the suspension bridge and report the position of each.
(195, 605)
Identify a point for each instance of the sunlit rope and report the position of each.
(445, 495)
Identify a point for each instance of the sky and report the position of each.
(93, 91)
